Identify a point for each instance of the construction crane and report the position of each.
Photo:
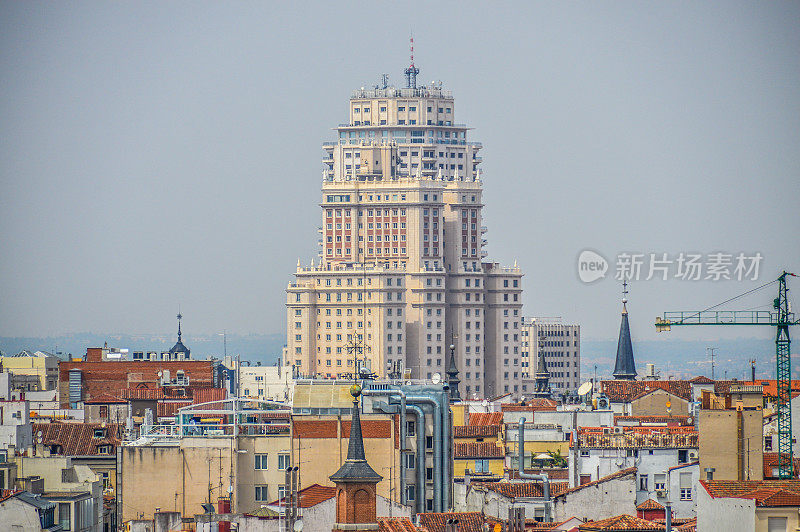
(781, 317)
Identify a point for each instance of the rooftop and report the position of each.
(78, 439)
(765, 493)
(466, 450)
(626, 523)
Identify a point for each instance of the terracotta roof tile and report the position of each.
(770, 387)
(625, 391)
(689, 526)
(105, 398)
(468, 521)
(552, 473)
(398, 524)
(486, 418)
(311, 496)
(771, 464)
(370, 428)
(78, 439)
(515, 490)
(764, 492)
(650, 504)
(478, 450)
(475, 431)
(626, 523)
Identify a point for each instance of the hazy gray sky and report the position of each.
(157, 154)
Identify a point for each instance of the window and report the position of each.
(686, 486)
(283, 461)
(584, 453)
(643, 482)
(411, 428)
(411, 493)
(682, 456)
(659, 481)
(482, 465)
(410, 461)
(261, 461)
(768, 443)
(64, 514)
(777, 524)
(262, 494)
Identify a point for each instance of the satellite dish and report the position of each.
(585, 388)
(298, 525)
(437, 378)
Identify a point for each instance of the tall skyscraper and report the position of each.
(401, 273)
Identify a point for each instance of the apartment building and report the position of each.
(401, 274)
(561, 344)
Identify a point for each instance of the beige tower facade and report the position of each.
(402, 274)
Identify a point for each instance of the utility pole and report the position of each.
(711, 350)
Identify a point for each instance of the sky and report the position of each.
(166, 155)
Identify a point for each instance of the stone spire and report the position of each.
(452, 376)
(356, 481)
(542, 376)
(625, 367)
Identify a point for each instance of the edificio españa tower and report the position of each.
(402, 276)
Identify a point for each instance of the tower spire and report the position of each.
(542, 376)
(412, 71)
(624, 367)
(180, 317)
(452, 375)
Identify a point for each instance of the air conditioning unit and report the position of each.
(606, 430)
(617, 430)
(692, 455)
(661, 493)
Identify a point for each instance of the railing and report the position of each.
(404, 92)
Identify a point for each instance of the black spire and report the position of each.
(452, 375)
(542, 376)
(625, 367)
(179, 347)
(355, 468)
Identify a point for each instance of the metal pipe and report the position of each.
(420, 456)
(438, 467)
(528, 476)
(402, 395)
(447, 460)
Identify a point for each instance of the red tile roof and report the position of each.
(170, 408)
(625, 391)
(701, 379)
(486, 418)
(311, 496)
(327, 428)
(626, 523)
(650, 504)
(771, 464)
(475, 431)
(466, 450)
(398, 524)
(770, 386)
(106, 398)
(78, 439)
(531, 405)
(631, 471)
(688, 526)
(516, 490)
(370, 428)
(764, 492)
(467, 521)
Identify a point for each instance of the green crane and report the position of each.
(781, 317)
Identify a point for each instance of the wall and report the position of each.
(763, 514)
(655, 404)
(177, 477)
(17, 515)
(599, 501)
(728, 514)
(719, 445)
(480, 499)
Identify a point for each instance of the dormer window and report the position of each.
(99, 433)
(56, 449)
(105, 449)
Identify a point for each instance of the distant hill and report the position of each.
(679, 358)
(265, 348)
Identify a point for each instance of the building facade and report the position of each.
(401, 274)
(561, 344)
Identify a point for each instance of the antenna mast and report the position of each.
(412, 71)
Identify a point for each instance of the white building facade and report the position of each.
(561, 344)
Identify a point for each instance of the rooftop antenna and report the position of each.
(412, 71)
(385, 81)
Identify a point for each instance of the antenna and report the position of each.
(412, 71)
(385, 81)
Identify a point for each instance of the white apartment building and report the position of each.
(561, 344)
(401, 274)
(266, 382)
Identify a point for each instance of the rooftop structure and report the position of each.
(624, 367)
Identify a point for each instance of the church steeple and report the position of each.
(452, 376)
(542, 376)
(180, 351)
(356, 481)
(625, 367)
